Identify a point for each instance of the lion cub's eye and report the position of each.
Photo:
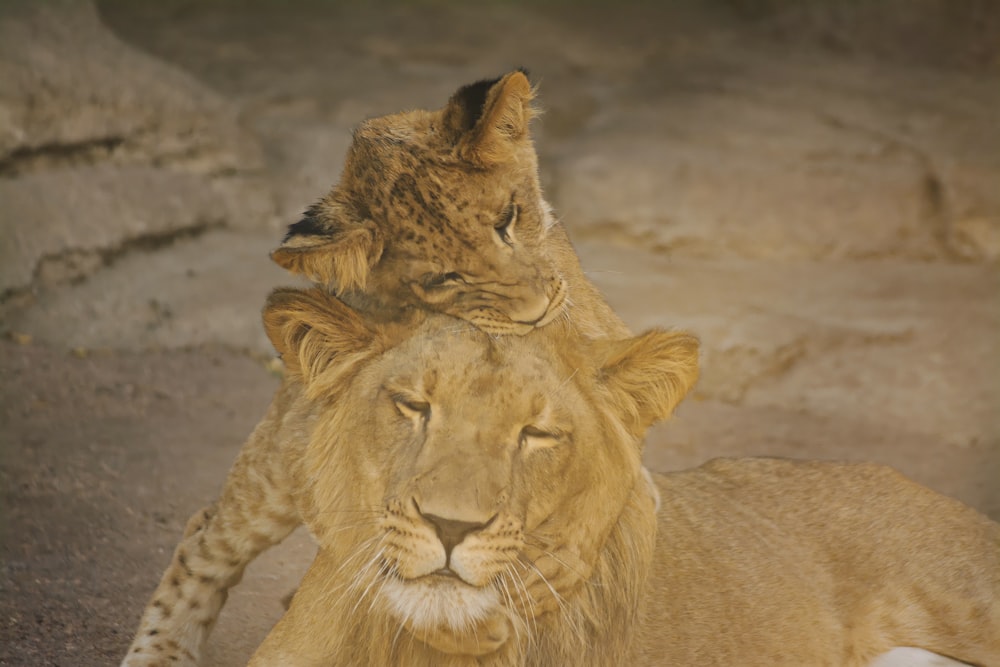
(444, 279)
(505, 227)
(532, 437)
(412, 409)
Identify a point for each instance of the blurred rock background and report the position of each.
(811, 186)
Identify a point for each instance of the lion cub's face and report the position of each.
(440, 209)
(491, 469)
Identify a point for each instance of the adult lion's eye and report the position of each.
(412, 409)
(505, 227)
(532, 436)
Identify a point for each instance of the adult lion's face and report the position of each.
(470, 483)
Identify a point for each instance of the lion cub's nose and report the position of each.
(452, 532)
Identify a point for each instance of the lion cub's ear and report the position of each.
(330, 248)
(488, 118)
(317, 335)
(647, 376)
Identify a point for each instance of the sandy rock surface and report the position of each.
(812, 188)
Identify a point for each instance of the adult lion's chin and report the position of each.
(449, 615)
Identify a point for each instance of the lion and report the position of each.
(480, 500)
(443, 210)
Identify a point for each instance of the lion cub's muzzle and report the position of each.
(522, 313)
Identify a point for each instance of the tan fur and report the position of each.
(420, 197)
(523, 455)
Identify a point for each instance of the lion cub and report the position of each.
(443, 210)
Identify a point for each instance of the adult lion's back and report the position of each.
(772, 561)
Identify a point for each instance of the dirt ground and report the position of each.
(813, 188)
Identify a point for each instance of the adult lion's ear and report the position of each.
(647, 376)
(330, 248)
(318, 337)
(488, 118)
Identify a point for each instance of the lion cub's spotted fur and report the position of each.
(480, 501)
(443, 210)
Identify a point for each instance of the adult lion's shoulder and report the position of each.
(443, 209)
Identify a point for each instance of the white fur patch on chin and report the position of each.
(435, 602)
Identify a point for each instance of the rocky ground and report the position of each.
(812, 187)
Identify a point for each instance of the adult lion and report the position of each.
(480, 501)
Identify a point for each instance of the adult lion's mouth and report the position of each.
(444, 572)
(448, 614)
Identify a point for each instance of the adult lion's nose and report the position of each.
(451, 532)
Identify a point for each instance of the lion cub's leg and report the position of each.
(255, 511)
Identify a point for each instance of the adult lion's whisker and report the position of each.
(374, 511)
(530, 621)
(344, 527)
(501, 585)
(385, 572)
(563, 607)
(372, 580)
(537, 544)
(399, 631)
